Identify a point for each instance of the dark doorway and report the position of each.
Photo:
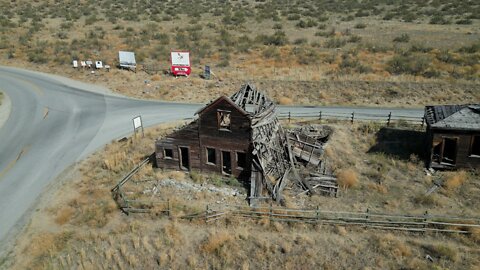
(184, 158)
(449, 150)
(241, 160)
(226, 162)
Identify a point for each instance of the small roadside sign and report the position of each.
(137, 124)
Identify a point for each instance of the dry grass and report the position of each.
(215, 241)
(97, 235)
(285, 101)
(319, 80)
(64, 215)
(347, 178)
(391, 245)
(378, 187)
(454, 180)
(156, 78)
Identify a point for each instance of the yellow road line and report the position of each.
(13, 162)
(45, 112)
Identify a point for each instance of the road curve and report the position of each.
(55, 122)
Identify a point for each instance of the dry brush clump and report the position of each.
(347, 178)
(454, 180)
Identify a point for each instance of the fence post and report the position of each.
(320, 116)
(423, 121)
(389, 118)
(271, 212)
(206, 215)
(367, 216)
(168, 207)
(425, 225)
(289, 117)
(353, 116)
(318, 214)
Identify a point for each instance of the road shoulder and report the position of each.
(5, 108)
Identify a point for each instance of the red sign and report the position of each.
(180, 63)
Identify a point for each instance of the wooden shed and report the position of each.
(453, 136)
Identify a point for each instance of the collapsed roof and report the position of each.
(462, 117)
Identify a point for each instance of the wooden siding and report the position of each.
(239, 123)
(185, 137)
(204, 133)
(464, 140)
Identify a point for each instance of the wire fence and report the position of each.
(354, 116)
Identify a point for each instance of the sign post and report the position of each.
(207, 72)
(180, 61)
(137, 124)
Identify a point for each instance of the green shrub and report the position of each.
(362, 13)
(360, 26)
(277, 26)
(420, 48)
(402, 38)
(305, 55)
(279, 38)
(91, 20)
(270, 52)
(335, 43)
(445, 56)
(293, 17)
(464, 21)
(410, 64)
(354, 39)
(438, 19)
(300, 41)
(375, 48)
(474, 48)
(306, 24)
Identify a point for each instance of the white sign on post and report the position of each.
(137, 124)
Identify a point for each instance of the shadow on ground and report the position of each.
(401, 143)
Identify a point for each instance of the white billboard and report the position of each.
(181, 59)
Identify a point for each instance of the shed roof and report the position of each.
(126, 58)
(463, 117)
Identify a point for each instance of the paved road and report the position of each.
(55, 122)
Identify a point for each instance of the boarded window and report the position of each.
(475, 146)
(211, 156)
(168, 153)
(241, 160)
(223, 120)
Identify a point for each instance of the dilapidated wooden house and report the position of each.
(238, 136)
(453, 136)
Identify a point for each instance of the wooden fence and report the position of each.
(352, 117)
(367, 219)
(413, 223)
